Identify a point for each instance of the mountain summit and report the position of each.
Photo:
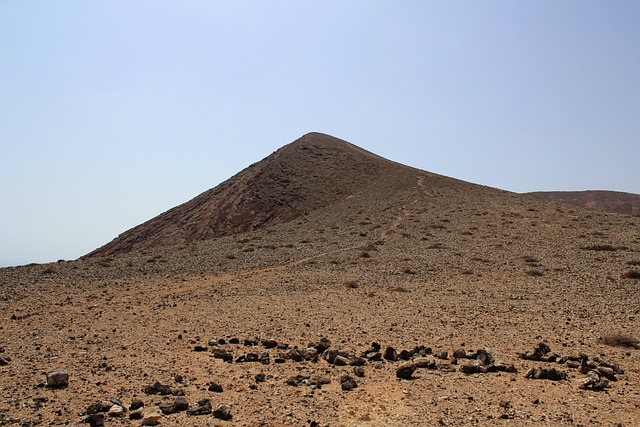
(310, 173)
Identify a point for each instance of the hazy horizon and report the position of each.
(113, 112)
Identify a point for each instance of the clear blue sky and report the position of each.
(112, 112)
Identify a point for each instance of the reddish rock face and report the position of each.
(310, 173)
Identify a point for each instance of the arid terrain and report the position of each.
(265, 293)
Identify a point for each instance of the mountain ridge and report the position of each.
(601, 200)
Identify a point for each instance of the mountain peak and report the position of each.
(312, 172)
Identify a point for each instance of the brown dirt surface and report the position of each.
(411, 260)
(606, 201)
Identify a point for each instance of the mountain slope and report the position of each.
(312, 172)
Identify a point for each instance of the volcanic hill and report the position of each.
(310, 173)
(326, 286)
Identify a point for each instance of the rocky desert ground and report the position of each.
(379, 295)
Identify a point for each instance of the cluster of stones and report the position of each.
(480, 361)
(95, 413)
(598, 372)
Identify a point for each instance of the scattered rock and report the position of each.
(295, 355)
(406, 370)
(405, 355)
(223, 412)
(158, 388)
(94, 408)
(322, 345)
(541, 353)
(181, 404)
(391, 354)
(219, 353)
(215, 387)
(203, 407)
(606, 372)
(116, 411)
(136, 404)
(460, 353)
(167, 408)
(425, 362)
(358, 371)
(199, 348)
(316, 381)
(594, 381)
(574, 364)
(252, 342)
(347, 383)
(151, 419)
(473, 367)
(136, 414)
(297, 380)
(545, 374)
(260, 378)
(270, 343)
(57, 379)
(442, 355)
(341, 361)
(310, 353)
(95, 420)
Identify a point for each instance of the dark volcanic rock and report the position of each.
(391, 354)
(347, 383)
(215, 387)
(158, 388)
(406, 370)
(95, 420)
(545, 374)
(223, 412)
(203, 407)
(57, 379)
(181, 404)
(136, 404)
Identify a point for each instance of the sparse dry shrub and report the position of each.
(607, 248)
(400, 289)
(436, 246)
(535, 273)
(620, 340)
(370, 247)
(631, 274)
(352, 284)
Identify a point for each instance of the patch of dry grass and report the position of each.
(620, 340)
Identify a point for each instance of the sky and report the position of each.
(113, 111)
